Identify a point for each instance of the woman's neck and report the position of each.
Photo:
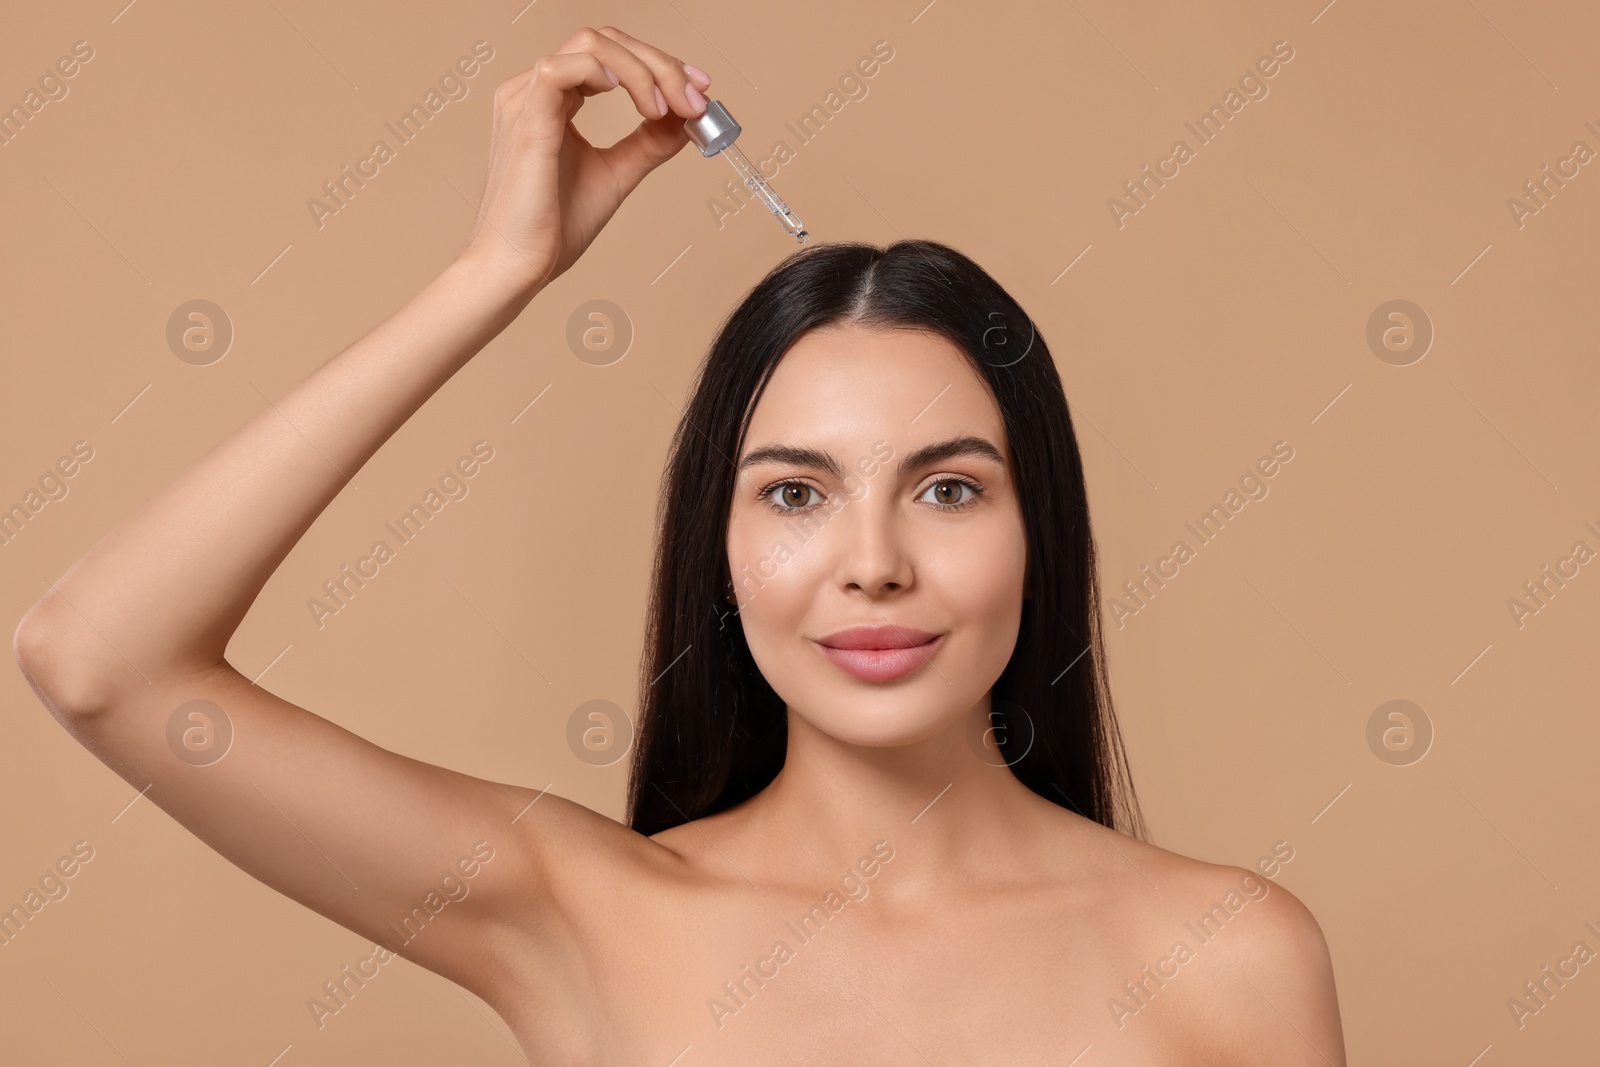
(947, 804)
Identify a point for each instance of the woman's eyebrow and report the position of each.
(938, 452)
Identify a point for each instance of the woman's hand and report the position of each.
(549, 191)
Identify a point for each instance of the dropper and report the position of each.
(714, 132)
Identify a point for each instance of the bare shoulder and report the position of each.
(1267, 995)
(1284, 970)
(1119, 859)
(1244, 971)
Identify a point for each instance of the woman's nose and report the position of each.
(871, 550)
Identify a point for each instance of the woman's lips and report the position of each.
(882, 664)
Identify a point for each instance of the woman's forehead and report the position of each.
(850, 382)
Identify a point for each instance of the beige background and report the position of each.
(1227, 315)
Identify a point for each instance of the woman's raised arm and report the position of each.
(139, 626)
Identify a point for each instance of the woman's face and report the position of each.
(884, 539)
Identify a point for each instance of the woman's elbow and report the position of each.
(56, 661)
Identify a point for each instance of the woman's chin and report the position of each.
(877, 725)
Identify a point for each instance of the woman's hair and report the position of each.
(712, 732)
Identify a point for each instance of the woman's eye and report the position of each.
(947, 493)
(788, 496)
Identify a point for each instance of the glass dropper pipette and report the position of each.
(714, 132)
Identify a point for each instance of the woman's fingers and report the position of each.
(548, 191)
(544, 101)
(642, 69)
(633, 73)
(666, 71)
(701, 80)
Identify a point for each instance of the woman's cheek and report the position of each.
(748, 565)
(980, 582)
(769, 572)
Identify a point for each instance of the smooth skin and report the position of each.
(1000, 928)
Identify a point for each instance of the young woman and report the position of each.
(878, 799)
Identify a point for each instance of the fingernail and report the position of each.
(695, 99)
(697, 74)
(611, 75)
(661, 102)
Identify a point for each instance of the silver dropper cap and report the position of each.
(714, 130)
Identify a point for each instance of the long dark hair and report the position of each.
(712, 732)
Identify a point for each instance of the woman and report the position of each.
(878, 796)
